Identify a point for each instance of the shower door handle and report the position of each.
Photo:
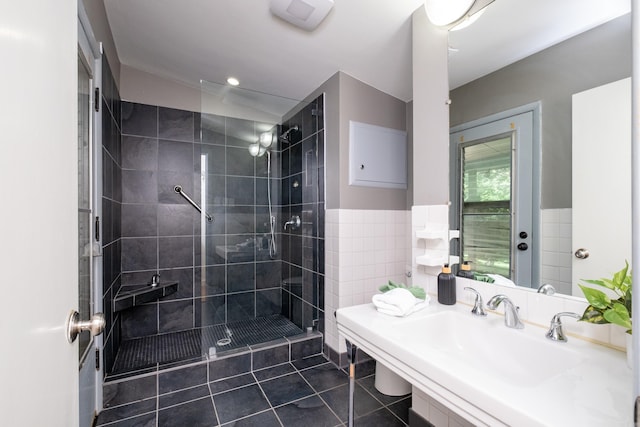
(74, 325)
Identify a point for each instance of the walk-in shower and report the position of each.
(200, 210)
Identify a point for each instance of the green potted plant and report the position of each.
(602, 308)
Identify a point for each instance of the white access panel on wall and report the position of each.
(377, 156)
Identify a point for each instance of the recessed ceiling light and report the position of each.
(233, 81)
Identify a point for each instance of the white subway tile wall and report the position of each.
(433, 411)
(556, 249)
(364, 250)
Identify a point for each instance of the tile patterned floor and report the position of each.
(309, 392)
(163, 349)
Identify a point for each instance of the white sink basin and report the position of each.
(476, 343)
(493, 375)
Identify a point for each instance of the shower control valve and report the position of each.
(293, 224)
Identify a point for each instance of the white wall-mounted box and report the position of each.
(377, 156)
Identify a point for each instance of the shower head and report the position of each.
(285, 136)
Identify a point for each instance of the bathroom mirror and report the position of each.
(574, 63)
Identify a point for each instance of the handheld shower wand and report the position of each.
(272, 219)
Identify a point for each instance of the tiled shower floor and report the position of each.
(140, 353)
(308, 392)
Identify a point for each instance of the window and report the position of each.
(486, 205)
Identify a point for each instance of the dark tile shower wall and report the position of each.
(162, 148)
(237, 253)
(111, 209)
(303, 195)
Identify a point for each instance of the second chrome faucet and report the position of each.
(511, 317)
(477, 310)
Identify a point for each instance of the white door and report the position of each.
(38, 218)
(601, 159)
(495, 203)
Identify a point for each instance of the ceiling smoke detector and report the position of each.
(306, 14)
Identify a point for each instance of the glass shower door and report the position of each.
(242, 257)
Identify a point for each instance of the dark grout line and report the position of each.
(267, 399)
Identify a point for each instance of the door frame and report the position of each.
(454, 178)
(91, 368)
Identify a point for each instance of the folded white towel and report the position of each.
(501, 280)
(398, 302)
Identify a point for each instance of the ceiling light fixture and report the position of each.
(257, 150)
(233, 81)
(266, 139)
(306, 14)
(467, 20)
(449, 13)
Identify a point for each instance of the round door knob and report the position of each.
(523, 235)
(582, 253)
(523, 246)
(74, 326)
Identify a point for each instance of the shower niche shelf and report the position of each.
(436, 252)
(133, 295)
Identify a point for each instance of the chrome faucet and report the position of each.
(547, 289)
(477, 309)
(555, 332)
(511, 318)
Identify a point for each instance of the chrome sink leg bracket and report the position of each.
(351, 357)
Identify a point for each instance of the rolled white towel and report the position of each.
(398, 302)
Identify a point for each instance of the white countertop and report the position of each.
(596, 391)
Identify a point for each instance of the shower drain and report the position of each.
(223, 342)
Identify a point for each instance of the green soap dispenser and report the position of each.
(446, 286)
(465, 271)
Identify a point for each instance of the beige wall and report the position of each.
(102, 32)
(347, 98)
(552, 76)
(146, 88)
(363, 103)
(430, 113)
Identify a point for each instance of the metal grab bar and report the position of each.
(178, 189)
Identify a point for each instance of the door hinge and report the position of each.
(96, 99)
(97, 233)
(97, 359)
